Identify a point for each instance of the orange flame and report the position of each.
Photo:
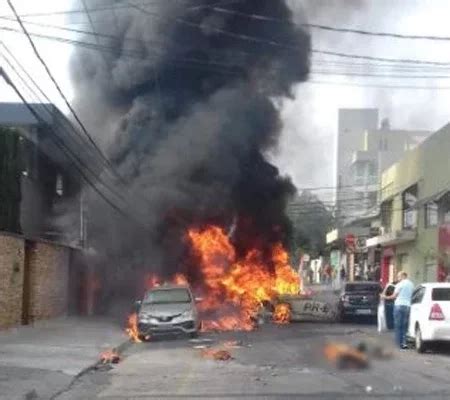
(282, 313)
(132, 329)
(179, 279)
(236, 287)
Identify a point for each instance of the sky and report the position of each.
(306, 151)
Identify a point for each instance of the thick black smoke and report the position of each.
(182, 95)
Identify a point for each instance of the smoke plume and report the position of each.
(182, 98)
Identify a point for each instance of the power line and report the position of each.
(275, 43)
(332, 63)
(66, 101)
(66, 150)
(88, 14)
(269, 42)
(66, 12)
(330, 28)
(63, 124)
(228, 68)
(381, 34)
(376, 86)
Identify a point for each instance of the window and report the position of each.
(362, 287)
(167, 296)
(386, 215)
(444, 209)
(440, 294)
(431, 214)
(409, 199)
(418, 294)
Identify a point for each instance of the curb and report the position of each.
(92, 367)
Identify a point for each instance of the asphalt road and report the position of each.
(274, 362)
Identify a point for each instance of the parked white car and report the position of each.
(429, 319)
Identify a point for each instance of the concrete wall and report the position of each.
(11, 280)
(49, 280)
(34, 279)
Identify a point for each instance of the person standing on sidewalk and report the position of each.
(402, 304)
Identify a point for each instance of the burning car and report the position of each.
(168, 309)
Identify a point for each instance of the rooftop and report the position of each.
(19, 114)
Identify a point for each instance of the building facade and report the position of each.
(38, 279)
(415, 212)
(352, 125)
(365, 150)
(37, 185)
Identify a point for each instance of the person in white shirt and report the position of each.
(402, 295)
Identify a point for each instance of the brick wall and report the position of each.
(43, 268)
(49, 280)
(11, 279)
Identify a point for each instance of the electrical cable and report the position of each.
(66, 101)
(60, 144)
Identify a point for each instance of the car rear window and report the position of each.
(369, 287)
(440, 294)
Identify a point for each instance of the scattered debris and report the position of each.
(344, 356)
(369, 389)
(218, 355)
(109, 357)
(374, 349)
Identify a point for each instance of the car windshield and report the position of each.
(440, 294)
(167, 296)
(369, 287)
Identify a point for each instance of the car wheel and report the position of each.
(193, 335)
(420, 345)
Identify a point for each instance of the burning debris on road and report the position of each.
(282, 314)
(345, 356)
(217, 354)
(109, 357)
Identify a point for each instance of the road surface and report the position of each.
(274, 362)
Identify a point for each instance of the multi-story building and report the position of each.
(415, 212)
(381, 148)
(37, 278)
(364, 150)
(352, 126)
(36, 181)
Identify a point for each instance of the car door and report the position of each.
(416, 309)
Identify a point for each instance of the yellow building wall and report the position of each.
(429, 166)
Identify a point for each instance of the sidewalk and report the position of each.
(45, 357)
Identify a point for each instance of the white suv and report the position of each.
(429, 319)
